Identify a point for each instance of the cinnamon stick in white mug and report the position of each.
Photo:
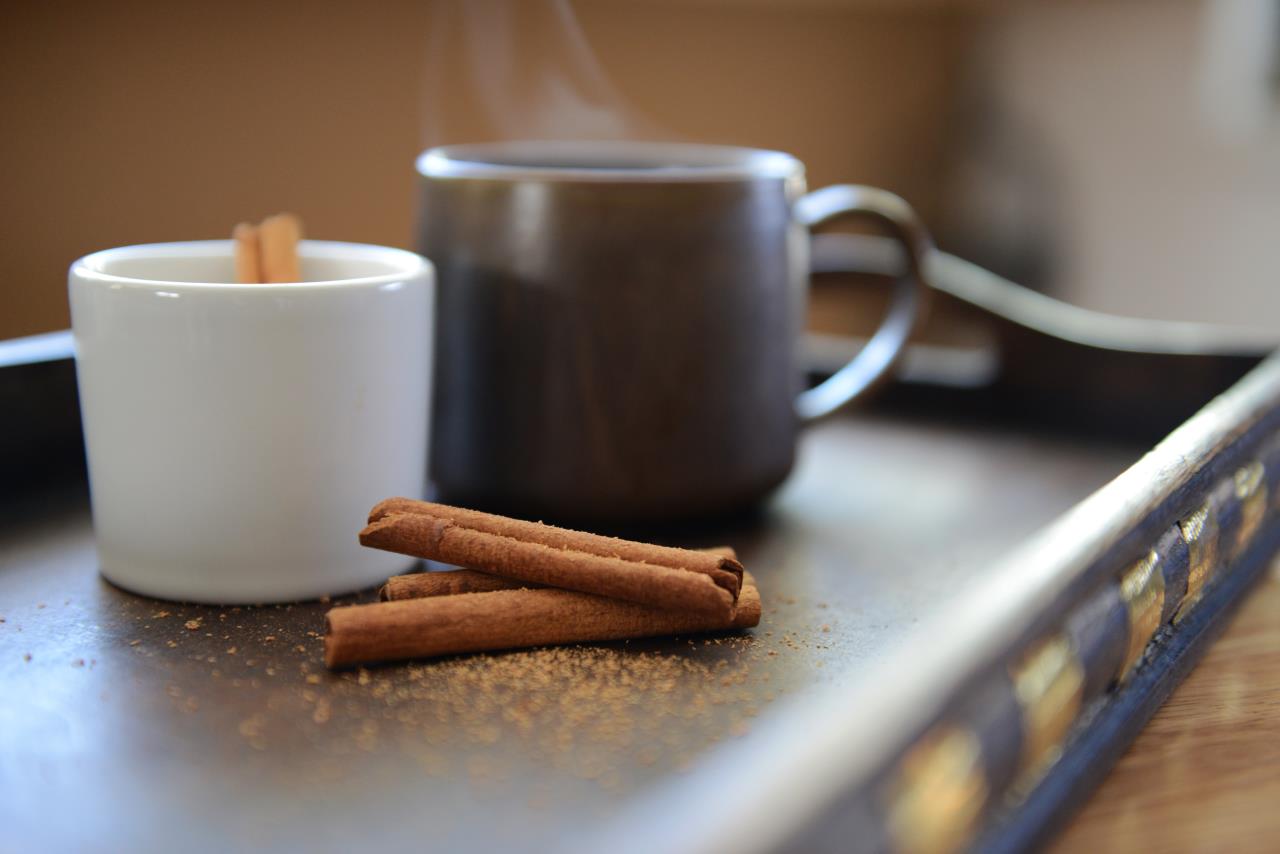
(248, 255)
(268, 253)
(279, 236)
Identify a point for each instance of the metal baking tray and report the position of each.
(921, 551)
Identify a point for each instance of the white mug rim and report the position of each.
(406, 265)
(689, 162)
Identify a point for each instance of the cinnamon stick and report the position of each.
(268, 252)
(509, 619)
(419, 585)
(677, 579)
(454, 582)
(278, 236)
(248, 254)
(709, 561)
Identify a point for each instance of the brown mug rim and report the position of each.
(606, 160)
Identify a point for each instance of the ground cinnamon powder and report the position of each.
(612, 715)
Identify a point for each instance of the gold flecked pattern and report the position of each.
(940, 793)
(1251, 492)
(1142, 590)
(1048, 683)
(1200, 531)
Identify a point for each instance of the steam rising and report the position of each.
(520, 69)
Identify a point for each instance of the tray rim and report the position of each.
(837, 769)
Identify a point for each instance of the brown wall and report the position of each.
(148, 121)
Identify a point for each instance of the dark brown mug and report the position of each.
(619, 324)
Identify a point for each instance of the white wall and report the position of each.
(1159, 129)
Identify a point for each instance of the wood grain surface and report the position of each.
(1205, 773)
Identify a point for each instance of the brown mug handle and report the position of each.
(882, 351)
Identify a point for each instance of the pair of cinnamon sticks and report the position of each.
(528, 584)
(268, 252)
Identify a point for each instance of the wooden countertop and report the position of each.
(1205, 773)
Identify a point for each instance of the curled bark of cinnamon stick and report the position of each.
(419, 585)
(677, 579)
(454, 582)
(720, 563)
(509, 619)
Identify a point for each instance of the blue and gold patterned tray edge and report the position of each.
(1091, 749)
(1025, 691)
(1092, 668)
(1084, 687)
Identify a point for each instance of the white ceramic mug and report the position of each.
(237, 434)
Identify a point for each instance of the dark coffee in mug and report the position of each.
(619, 324)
